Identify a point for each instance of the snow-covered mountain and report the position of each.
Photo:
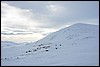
(77, 45)
(7, 43)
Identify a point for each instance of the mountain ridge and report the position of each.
(75, 27)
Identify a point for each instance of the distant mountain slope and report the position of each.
(7, 43)
(77, 45)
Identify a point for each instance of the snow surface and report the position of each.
(77, 45)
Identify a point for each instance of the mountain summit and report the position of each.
(74, 31)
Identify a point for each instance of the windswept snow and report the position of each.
(77, 45)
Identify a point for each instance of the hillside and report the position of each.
(77, 45)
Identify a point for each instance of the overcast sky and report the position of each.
(32, 20)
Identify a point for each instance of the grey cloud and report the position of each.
(73, 11)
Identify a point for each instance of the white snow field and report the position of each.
(77, 45)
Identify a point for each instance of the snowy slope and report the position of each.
(77, 45)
